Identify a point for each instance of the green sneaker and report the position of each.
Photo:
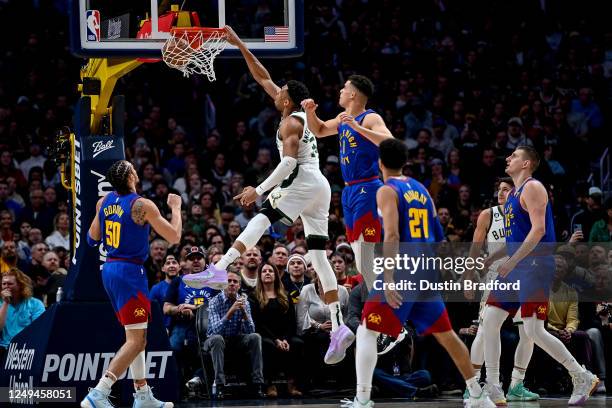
(520, 393)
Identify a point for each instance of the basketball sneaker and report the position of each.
(466, 397)
(341, 339)
(496, 394)
(584, 385)
(211, 277)
(96, 399)
(347, 403)
(520, 393)
(386, 343)
(143, 398)
(481, 401)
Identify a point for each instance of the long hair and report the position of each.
(24, 281)
(281, 294)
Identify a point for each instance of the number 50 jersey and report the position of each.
(122, 238)
(417, 217)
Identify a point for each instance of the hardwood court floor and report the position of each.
(595, 402)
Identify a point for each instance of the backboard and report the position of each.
(139, 28)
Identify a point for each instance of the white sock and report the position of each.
(105, 384)
(473, 387)
(534, 328)
(518, 375)
(365, 362)
(336, 314)
(230, 256)
(492, 321)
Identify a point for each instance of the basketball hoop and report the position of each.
(192, 50)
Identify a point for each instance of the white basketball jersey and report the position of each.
(496, 228)
(307, 150)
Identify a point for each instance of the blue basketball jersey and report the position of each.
(517, 222)
(358, 155)
(121, 236)
(417, 217)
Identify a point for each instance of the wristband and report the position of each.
(92, 242)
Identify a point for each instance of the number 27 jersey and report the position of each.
(121, 236)
(417, 218)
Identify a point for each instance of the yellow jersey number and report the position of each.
(419, 223)
(113, 233)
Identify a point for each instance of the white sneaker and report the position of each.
(585, 384)
(482, 401)
(496, 394)
(143, 398)
(347, 403)
(96, 399)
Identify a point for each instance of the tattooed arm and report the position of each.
(145, 210)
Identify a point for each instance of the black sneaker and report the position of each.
(431, 391)
(386, 343)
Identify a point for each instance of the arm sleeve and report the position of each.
(284, 169)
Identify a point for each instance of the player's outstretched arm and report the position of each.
(536, 199)
(291, 130)
(259, 72)
(317, 126)
(372, 128)
(144, 210)
(94, 234)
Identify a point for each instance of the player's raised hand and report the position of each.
(348, 119)
(309, 105)
(174, 201)
(232, 37)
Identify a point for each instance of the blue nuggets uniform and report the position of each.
(359, 165)
(536, 271)
(417, 224)
(127, 247)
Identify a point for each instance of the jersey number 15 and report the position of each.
(113, 233)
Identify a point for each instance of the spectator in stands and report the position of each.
(8, 169)
(592, 212)
(9, 258)
(37, 213)
(171, 270)
(158, 249)
(45, 283)
(246, 215)
(233, 231)
(274, 317)
(195, 222)
(251, 259)
(602, 229)
(181, 304)
(279, 258)
(314, 324)
(295, 278)
(51, 262)
(6, 203)
(231, 327)
(61, 235)
(340, 266)
(18, 308)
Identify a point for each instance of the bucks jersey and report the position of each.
(307, 150)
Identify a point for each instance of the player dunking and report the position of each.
(490, 229)
(122, 223)
(359, 131)
(528, 222)
(406, 219)
(300, 189)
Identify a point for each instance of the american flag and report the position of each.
(276, 34)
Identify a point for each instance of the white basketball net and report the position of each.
(193, 53)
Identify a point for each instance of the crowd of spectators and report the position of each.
(461, 83)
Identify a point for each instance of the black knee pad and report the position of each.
(272, 213)
(316, 242)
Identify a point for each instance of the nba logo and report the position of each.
(93, 25)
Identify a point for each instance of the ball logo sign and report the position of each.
(93, 25)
